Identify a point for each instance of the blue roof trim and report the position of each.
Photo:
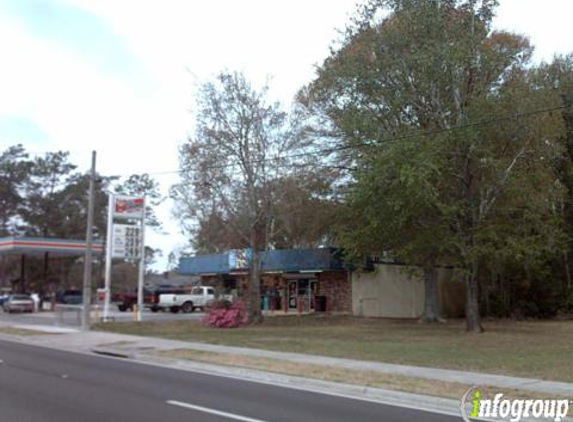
(287, 260)
(204, 264)
(293, 260)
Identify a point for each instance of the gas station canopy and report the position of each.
(41, 246)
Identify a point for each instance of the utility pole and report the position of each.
(87, 295)
(141, 275)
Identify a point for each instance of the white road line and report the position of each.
(212, 411)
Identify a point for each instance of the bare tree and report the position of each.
(229, 166)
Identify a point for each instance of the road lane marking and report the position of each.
(212, 411)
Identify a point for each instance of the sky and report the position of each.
(119, 76)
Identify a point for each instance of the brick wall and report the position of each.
(336, 286)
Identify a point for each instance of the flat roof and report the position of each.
(16, 245)
(278, 260)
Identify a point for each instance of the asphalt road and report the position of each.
(44, 385)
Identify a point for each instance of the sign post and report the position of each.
(141, 267)
(108, 258)
(125, 241)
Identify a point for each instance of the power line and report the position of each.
(334, 149)
(411, 135)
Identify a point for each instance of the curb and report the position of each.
(112, 353)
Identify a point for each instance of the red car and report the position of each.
(127, 300)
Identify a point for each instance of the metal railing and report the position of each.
(72, 314)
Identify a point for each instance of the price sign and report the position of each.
(126, 241)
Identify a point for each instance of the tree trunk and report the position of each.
(567, 270)
(254, 304)
(432, 298)
(473, 320)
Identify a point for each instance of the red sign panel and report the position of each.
(128, 207)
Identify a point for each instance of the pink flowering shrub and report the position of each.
(224, 314)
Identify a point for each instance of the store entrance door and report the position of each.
(313, 291)
(300, 294)
(292, 295)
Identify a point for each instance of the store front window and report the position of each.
(301, 294)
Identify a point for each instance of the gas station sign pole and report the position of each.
(125, 241)
(108, 258)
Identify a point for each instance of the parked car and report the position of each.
(70, 297)
(126, 301)
(18, 303)
(154, 304)
(199, 297)
(3, 298)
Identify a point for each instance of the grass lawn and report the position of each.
(537, 349)
(325, 372)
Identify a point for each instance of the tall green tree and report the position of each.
(556, 80)
(56, 199)
(408, 95)
(14, 170)
(395, 208)
(49, 175)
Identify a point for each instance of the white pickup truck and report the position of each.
(199, 297)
